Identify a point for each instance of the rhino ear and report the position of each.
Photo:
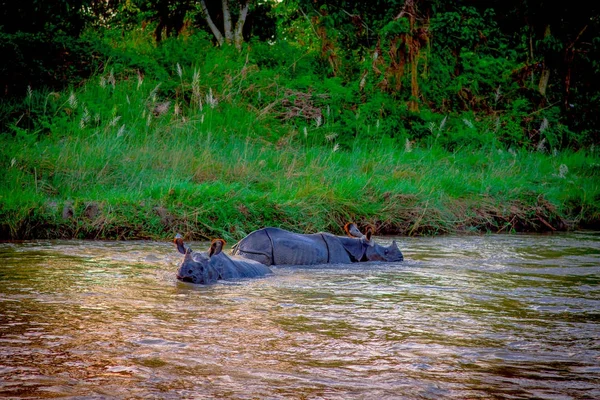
(369, 235)
(352, 230)
(180, 245)
(215, 247)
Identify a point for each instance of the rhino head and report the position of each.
(378, 252)
(372, 250)
(197, 267)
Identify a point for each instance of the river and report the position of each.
(463, 317)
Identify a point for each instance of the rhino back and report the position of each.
(297, 249)
(274, 246)
(256, 246)
(238, 267)
(249, 268)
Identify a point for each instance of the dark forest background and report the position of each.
(527, 70)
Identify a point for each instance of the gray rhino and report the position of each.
(213, 265)
(274, 246)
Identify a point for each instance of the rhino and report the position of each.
(274, 246)
(213, 265)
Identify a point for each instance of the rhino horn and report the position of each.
(188, 255)
(216, 247)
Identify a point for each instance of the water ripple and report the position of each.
(496, 316)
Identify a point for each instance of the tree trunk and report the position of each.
(530, 61)
(544, 79)
(211, 24)
(227, 21)
(413, 104)
(230, 35)
(238, 36)
(569, 57)
(543, 85)
(413, 45)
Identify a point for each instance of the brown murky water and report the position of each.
(463, 317)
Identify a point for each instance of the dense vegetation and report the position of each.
(135, 119)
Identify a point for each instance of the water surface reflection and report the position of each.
(463, 317)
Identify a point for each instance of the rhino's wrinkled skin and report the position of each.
(274, 246)
(213, 265)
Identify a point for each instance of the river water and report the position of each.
(464, 317)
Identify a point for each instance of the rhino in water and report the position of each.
(213, 265)
(274, 246)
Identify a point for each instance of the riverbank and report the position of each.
(217, 143)
(206, 184)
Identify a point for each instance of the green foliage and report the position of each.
(192, 172)
(40, 45)
(467, 28)
(395, 28)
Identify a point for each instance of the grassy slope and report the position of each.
(126, 169)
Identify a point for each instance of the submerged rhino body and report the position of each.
(213, 265)
(274, 246)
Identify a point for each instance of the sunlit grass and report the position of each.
(214, 184)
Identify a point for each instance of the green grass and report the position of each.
(194, 178)
(128, 168)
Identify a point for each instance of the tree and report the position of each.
(229, 35)
(39, 43)
(171, 16)
(559, 56)
(413, 42)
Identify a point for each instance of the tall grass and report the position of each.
(208, 151)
